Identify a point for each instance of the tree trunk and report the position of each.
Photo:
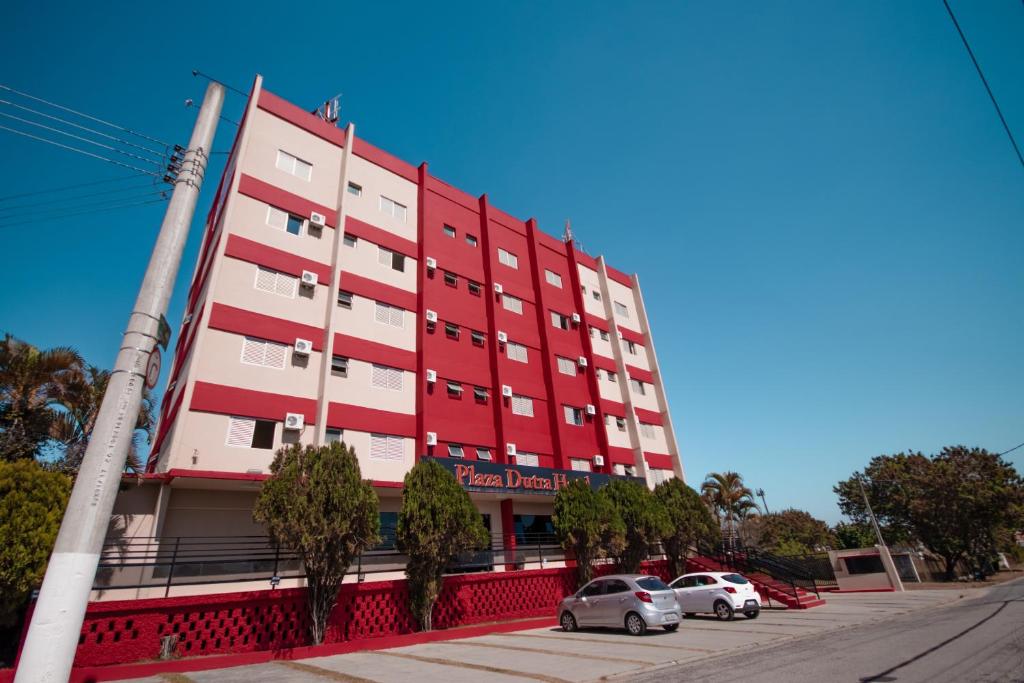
(951, 562)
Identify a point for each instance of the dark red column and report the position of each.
(508, 534)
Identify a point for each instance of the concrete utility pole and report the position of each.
(60, 610)
(884, 549)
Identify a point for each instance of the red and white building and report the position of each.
(342, 293)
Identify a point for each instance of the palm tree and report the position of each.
(74, 425)
(32, 381)
(730, 500)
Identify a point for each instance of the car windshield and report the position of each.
(652, 583)
(735, 578)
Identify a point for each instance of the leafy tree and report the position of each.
(72, 427)
(851, 535)
(31, 382)
(689, 522)
(436, 523)
(957, 503)
(729, 499)
(32, 502)
(587, 524)
(645, 519)
(317, 504)
(793, 532)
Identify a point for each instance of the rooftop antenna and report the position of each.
(567, 236)
(330, 110)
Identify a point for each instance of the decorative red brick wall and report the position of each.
(127, 631)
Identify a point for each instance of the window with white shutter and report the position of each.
(511, 303)
(392, 208)
(620, 309)
(522, 405)
(516, 352)
(388, 315)
(619, 469)
(293, 165)
(386, 447)
(384, 377)
(573, 416)
(268, 280)
(455, 450)
(527, 459)
(580, 464)
(637, 386)
(240, 430)
(566, 366)
(647, 430)
(508, 258)
(553, 278)
(264, 353)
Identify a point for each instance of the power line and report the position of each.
(71, 198)
(86, 116)
(984, 82)
(80, 151)
(197, 72)
(71, 187)
(158, 164)
(22, 213)
(91, 130)
(82, 213)
(1012, 449)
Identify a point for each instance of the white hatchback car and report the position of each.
(721, 593)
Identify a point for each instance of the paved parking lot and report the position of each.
(551, 656)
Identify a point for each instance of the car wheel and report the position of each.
(568, 622)
(752, 614)
(724, 610)
(690, 615)
(671, 627)
(635, 624)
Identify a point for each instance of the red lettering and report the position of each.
(460, 473)
(514, 479)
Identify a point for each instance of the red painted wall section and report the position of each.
(631, 335)
(283, 261)
(364, 149)
(599, 323)
(374, 352)
(421, 193)
(648, 416)
(378, 291)
(388, 240)
(640, 374)
(613, 407)
(660, 461)
(619, 276)
(494, 349)
(586, 260)
(284, 200)
(217, 398)
(617, 455)
(363, 419)
(239, 321)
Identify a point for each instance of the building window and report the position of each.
(573, 416)
(527, 459)
(477, 337)
(637, 386)
(339, 366)
(334, 435)
(620, 309)
(522, 405)
(282, 220)
(508, 258)
(471, 240)
(620, 422)
(454, 390)
(560, 321)
(392, 208)
(389, 315)
(384, 377)
(553, 278)
(344, 299)
(291, 164)
(597, 295)
(619, 469)
(355, 189)
(449, 230)
(246, 432)
(474, 288)
(647, 430)
(630, 347)
(612, 377)
(386, 447)
(348, 240)
(455, 450)
(566, 366)
(659, 476)
(451, 279)
(580, 464)
(511, 303)
(607, 420)
(483, 454)
(264, 353)
(604, 335)
(480, 394)
(451, 330)
(268, 280)
(516, 352)
(392, 259)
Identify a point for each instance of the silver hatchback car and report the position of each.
(632, 601)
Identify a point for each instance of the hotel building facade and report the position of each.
(343, 294)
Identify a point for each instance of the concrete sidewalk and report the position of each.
(551, 656)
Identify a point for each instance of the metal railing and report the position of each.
(166, 562)
(788, 579)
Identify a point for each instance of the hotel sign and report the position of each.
(488, 477)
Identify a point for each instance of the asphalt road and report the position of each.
(981, 639)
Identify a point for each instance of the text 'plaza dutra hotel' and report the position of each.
(344, 294)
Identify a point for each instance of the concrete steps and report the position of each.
(768, 587)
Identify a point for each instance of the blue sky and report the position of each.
(823, 209)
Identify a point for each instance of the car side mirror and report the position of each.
(583, 598)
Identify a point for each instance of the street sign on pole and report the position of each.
(163, 332)
(153, 369)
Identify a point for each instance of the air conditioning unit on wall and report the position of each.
(431, 375)
(498, 289)
(591, 410)
(431, 263)
(294, 421)
(598, 460)
(317, 220)
(506, 390)
(502, 337)
(431, 316)
(431, 438)
(303, 347)
(510, 449)
(582, 361)
(309, 278)
(575, 318)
